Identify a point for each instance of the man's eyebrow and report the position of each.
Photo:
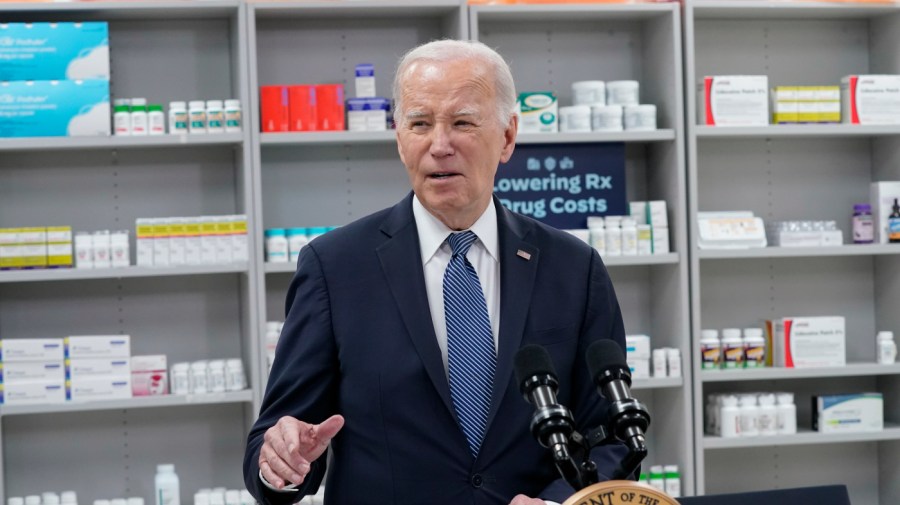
(466, 112)
(413, 114)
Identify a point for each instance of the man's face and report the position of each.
(450, 138)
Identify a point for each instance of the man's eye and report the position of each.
(418, 124)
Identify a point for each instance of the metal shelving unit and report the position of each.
(786, 172)
(141, 402)
(164, 51)
(551, 46)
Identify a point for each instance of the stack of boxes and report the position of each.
(98, 367)
(806, 104)
(200, 240)
(637, 354)
(54, 81)
(302, 107)
(367, 112)
(37, 247)
(653, 213)
(32, 371)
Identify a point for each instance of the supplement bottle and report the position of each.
(887, 349)
(730, 417)
(710, 350)
(215, 116)
(297, 239)
(276, 245)
(673, 361)
(629, 237)
(672, 480)
(196, 117)
(749, 416)
(139, 119)
(613, 236)
(657, 478)
(233, 116)
(659, 363)
(199, 378)
(122, 120)
(785, 414)
(156, 119)
(178, 118)
(216, 374)
(863, 226)
(598, 237)
(167, 489)
(766, 420)
(234, 375)
(732, 348)
(180, 378)
(754, 348)
(894, 224)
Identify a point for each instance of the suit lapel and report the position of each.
(402, 264)
(518, 268)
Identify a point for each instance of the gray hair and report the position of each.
(451, 50)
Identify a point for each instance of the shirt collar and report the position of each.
(433, 233)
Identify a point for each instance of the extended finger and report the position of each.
(291, 447)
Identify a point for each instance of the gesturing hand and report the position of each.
(291, 445)
(524, 500)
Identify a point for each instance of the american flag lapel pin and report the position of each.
(522, 254)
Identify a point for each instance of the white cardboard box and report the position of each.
(103, 388)
(637, 347)
(848, 413)
(870, 99)
(32, 371)
(149, 375)
(31, 349)
(30, 393)
(85, 368)
(98, 346)
(806, 342)
(733, 100)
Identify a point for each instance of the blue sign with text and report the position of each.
(562, 184)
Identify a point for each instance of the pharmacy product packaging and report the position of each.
(87, 368)
(660, 238)
(99, 388)
(538, 112)
(59, 246)
(733, 100)
(31, 393)
(303, 113)
(848, 413)
(738, 229)
(784, 104)
(50, 51)
(640, 368)
(98, 346)
(330, 107)
(828, 100)
(274, 108)
(882, 195)
(32, 371)
(365, 80)
(31, 349)
(149, 376)
(808, 342)
(637, 347)
(54, 108)
(870, 99)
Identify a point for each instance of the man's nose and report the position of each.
(441, 142)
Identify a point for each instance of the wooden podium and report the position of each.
(620, 492)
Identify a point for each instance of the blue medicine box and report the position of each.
(54, 108)
(54, 51)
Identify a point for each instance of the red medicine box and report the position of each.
(304, 115)
(274, 108)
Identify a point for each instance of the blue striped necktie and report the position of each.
(470, 342)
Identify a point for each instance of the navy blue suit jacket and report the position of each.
(358, 340)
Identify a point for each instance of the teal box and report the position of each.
(54, 51)
(54, 108)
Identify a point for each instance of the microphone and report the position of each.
(628, 418)
(551, 424)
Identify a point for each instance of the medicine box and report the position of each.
(365, 80)
(538, 112)
(640, 368)
(30, 393)
(637, 347)
(733, 100)
(49, 51)
(31, 349)
(59, 246)
(32, 371)
(302, 108)
(54, 108)
(99, 388)
(660, 240)
(870, 99)
(82, 368)
(805, 342)
(149, 375)
(848, 413)
(882, 195)
(100, 346)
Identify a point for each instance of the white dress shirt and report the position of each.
(483, 255)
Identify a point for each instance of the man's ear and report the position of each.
(509, 136)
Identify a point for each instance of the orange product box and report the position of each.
(274, 108)
(303, 111)
(330, 106)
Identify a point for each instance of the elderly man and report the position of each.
(401, 328)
